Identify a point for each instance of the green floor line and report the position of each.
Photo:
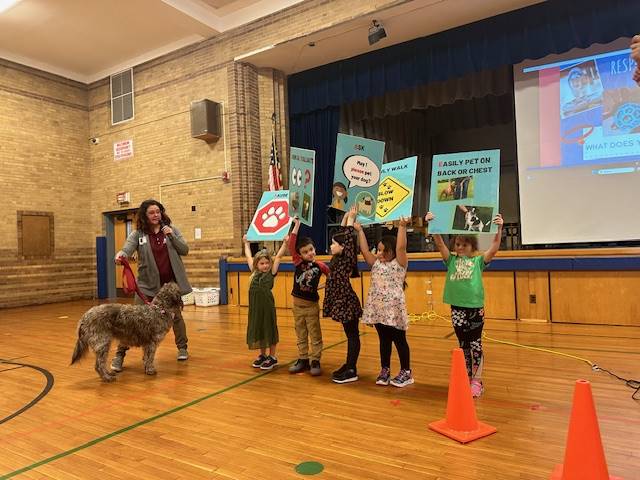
(146, 420)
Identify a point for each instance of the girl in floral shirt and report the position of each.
(385, 307)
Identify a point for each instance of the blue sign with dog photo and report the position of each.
(465, 190)
(301, 180)
(356, 175)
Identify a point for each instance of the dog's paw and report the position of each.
(150, 371)
(108, 378)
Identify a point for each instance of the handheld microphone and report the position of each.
(164, 224)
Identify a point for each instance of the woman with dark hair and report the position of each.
(160, 246)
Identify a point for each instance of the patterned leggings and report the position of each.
(468, 323)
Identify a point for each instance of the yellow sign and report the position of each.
(391, 193)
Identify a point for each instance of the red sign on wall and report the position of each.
(122, 150)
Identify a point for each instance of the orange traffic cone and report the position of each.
(583, 456)
(461, 422)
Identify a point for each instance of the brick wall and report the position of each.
(48, 163)
(43, 167)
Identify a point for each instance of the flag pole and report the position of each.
(274, 153)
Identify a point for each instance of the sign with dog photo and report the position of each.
(395, 191)
(301, 179)
(465, 189)
(356, 175)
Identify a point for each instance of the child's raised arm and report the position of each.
(296, 225)
(276, 260)
(351, 216)
(247, 252)
(440, 245)
(401, 243)
(369, 257)
(495, 245)
(293, 239)
(343, 223)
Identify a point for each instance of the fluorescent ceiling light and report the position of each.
(7, 4)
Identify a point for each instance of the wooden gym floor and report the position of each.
(216, 417)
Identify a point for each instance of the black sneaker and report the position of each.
(339, 371)
(257, 363)
(269, 363)
(301, 365)
(349, 375)
(315, 368)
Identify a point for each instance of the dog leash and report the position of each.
(129, 284)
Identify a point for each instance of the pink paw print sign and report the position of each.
(271, 221)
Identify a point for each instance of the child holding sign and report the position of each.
(262, 329)
(341, 302)
(306, 312)
(463, 290)
(385, 308)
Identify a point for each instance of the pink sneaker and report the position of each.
(476, 388)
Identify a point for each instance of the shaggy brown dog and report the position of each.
(133, 325)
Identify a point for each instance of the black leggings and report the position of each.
(353, 342)
(387, 336)
(468, 323)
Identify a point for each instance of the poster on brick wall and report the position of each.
(122, 150)
(301, 180)
(464, 192)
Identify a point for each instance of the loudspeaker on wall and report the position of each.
(206, 120)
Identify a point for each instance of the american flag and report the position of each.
(275, 177)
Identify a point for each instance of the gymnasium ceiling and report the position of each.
(86, 40)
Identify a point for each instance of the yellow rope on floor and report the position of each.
(426, 316)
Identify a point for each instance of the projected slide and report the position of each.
(578, 142)
(590, 110)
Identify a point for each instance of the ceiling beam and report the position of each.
(199, 11)
(205, 14)
(252, 12)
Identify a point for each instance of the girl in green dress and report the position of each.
(262, 329)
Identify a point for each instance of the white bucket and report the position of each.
(188, 299)
(206, 297)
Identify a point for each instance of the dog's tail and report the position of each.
(81, 346)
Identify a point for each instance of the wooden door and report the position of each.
(123, 225)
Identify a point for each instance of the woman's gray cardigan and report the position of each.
(148, 275)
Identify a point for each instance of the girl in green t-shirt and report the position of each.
(463, 290)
